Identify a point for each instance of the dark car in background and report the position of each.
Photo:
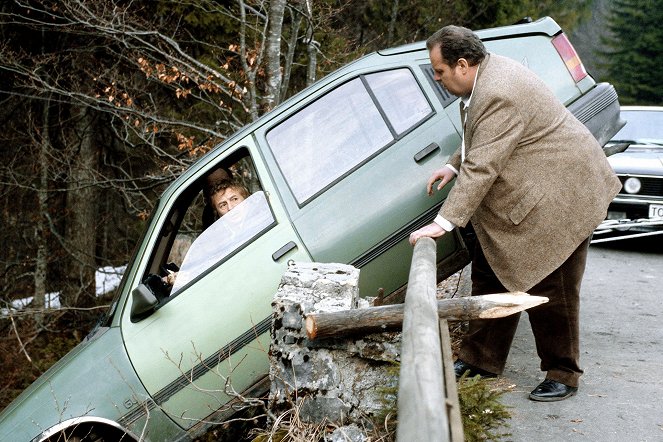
(638, 208)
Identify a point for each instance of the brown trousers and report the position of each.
(554, 324)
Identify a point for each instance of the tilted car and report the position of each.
(639, 205)
(337, 173)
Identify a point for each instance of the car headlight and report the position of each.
(632, 185)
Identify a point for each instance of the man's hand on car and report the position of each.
(444, 174)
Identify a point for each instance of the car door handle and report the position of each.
(426, 151)
(283, 250)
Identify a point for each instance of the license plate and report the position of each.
(656, 211)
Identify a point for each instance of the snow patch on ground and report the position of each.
(106, 280)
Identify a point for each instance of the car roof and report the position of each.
(544, 25)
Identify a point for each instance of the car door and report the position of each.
(208, 339)
(356, 160)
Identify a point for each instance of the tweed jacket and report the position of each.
(535, 183)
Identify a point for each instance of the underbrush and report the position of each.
(483, 416)
(29, 350)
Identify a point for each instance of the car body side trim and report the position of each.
(598, 109)
(592, 103)
(636, 199)
(137, 412)
(212, 361)
(197, 371)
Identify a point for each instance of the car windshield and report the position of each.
(642, 127)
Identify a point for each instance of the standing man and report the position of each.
(535, 183)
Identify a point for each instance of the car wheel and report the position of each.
(91, 433)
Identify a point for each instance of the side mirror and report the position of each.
(143, 303)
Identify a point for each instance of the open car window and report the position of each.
(195, 239)
(224, 236)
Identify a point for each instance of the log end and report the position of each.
(510, 303)
(311, 328)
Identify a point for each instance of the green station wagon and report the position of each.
(335, 174)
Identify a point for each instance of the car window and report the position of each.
(344, 128)
(225, 235)
(189, 245)
(399, 95)
(641, 127)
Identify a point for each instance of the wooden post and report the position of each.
(390, 317)
(422, 412)
(453, 405)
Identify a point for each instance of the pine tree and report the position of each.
(635, 49)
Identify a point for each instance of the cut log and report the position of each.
(390, 317)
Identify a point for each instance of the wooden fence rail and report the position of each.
(428, 406)
(422, 404)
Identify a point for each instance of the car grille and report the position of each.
(651, 186)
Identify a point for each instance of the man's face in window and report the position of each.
(226, 200)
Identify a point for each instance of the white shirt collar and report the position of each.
(466, 100)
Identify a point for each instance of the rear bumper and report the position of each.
(599, 110)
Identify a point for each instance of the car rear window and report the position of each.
(345, 128)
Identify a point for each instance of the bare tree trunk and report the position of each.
(273, 53)
(290, 53)
(312, 51)
(392, 23)
(249, 69)
(311, 47)
(80, 231)
(41, 260)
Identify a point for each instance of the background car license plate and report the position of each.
(656, 211)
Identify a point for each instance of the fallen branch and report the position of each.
(390, 317)
(19, 313)
(18, 337)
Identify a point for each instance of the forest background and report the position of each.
(105, 102)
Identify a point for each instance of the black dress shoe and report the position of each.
(550, 391)
(461, 367)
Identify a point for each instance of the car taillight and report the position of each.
(570, 57)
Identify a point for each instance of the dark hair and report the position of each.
(226, 184)
(214, 177)
(456, 42)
